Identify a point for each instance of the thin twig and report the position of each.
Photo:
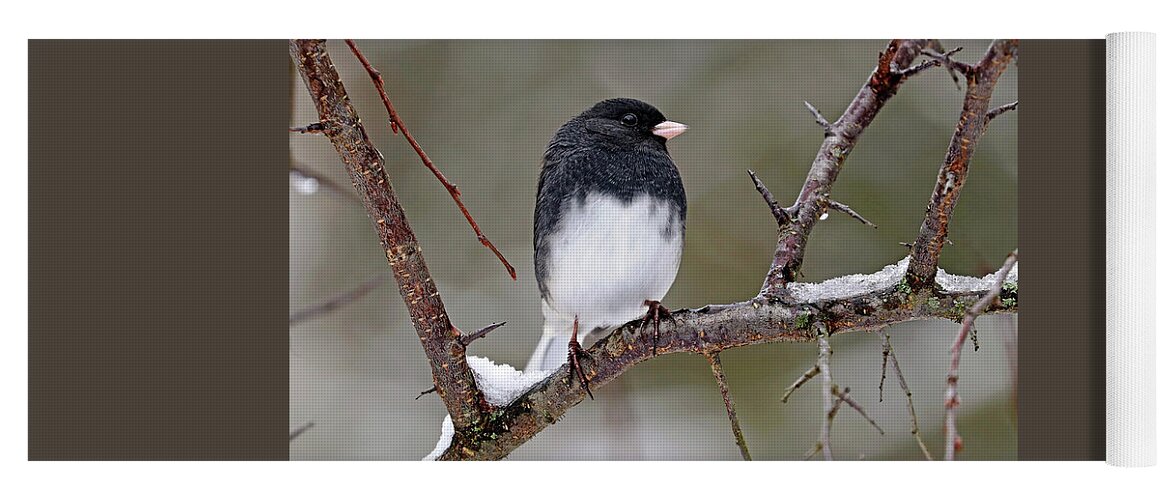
(952, 398)
(305, 172)
(337, 301)
(844, 395)
(952, 65)
(929, 63)
(827, 392)
(887, 349)
(397, 125)
(993, 113)
(300, 430)
(821, 120)
(819, 446)
(809, 374)
(843, 208)
(779, 213)
(718, 371)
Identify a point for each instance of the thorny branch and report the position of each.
(840, 138)
(981, 80)
(396, 126)
(364, 163)
(784, 311)
(952, 397)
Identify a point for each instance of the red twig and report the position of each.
(952, 398)
(397, 125)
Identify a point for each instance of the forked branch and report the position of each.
(981, 80)
(892, 70)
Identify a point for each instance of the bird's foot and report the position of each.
(575, 355)
(654, 315)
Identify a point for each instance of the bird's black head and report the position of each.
(628, 122)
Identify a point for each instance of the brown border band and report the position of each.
(1061, 395)
(158, 250)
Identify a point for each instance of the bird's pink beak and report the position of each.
(667, 130)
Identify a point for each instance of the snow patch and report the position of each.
(852, 285)
(952, 283)
(501, 385)
(446, 432)
(862, 284)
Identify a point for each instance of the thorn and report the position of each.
(312, 128)
(783, 218)
(426, 392)
(908, 72)
(825, 124)
(844, 395)
(481, 333)
(842, 207)
(1001, 110)
(809, 374)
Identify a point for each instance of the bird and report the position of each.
(608, 227)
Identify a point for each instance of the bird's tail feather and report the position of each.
(553, 349)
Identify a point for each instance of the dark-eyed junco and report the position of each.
(608, 232)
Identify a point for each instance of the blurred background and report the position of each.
(485, 110)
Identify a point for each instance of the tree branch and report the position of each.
(844, 208)
(779, 213)
(993, 113)
(952, 398)
(829, 405)
(888, 352)
(296, 433)
(713, 359)
(981, 80)
(849, 303)
(364, 163)
(840, 138)
(396, 126)
(337, 301)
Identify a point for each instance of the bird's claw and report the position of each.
(575, 355)
(654, 315)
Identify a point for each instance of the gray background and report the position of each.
(484, 111)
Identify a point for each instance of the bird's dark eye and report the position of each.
(629, 119)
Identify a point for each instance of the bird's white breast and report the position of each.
(608, 257)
